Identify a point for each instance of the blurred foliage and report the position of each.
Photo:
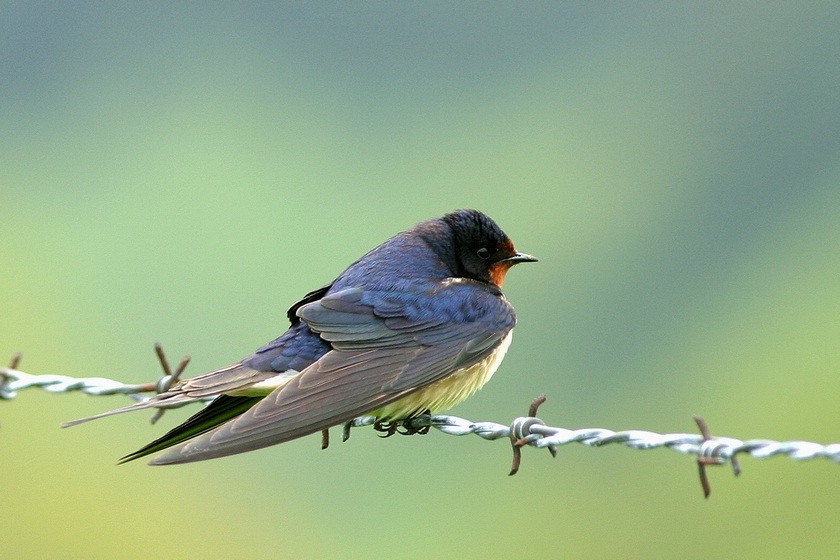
(184, 173)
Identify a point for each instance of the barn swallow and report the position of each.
(415, 326)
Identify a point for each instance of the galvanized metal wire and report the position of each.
(539, 435)
(16, 380)
(527, 430)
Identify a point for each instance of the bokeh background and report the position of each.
(183, 173)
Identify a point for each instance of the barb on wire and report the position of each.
(13, 380)
(527, 430)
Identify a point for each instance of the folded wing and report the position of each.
(385, 345)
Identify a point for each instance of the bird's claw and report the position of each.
(405, 427)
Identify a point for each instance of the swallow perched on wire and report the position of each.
(414, 326)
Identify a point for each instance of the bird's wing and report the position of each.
(385, 345)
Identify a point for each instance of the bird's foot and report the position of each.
(385, 428)
(405, 427)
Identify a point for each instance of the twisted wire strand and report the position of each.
(16, 380)
(13, 380)
(527, 430)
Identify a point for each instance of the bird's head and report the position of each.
(482, 251)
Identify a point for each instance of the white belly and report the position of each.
(450, 390)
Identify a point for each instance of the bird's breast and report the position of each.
(450, 390)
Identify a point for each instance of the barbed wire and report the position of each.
(526, 430)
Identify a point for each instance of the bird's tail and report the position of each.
(222, 409)
(173, 402)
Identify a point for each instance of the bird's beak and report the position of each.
(519, 258)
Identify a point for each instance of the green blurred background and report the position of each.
(183, 173)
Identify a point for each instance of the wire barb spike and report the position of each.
(169, 378)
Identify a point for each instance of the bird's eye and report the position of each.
(483, 253)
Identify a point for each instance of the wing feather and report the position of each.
(375, 361)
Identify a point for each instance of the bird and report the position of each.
(414, 326)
